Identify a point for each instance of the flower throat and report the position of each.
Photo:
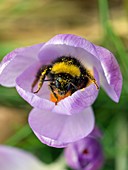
(65, 75)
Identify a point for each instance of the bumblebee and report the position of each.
(65, 75)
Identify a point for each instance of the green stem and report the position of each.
(113, 38)
(121, 144)
(104, 13)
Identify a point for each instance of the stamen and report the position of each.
(59, 97)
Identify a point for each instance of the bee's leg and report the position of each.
(72, 84)
(36, 79)
(92, 79)
(52, 89)
(40, 77)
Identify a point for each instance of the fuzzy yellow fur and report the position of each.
(64, 67)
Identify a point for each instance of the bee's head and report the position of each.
(62, 83)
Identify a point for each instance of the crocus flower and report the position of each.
(85, 154)
(71, 118)
(12, 158)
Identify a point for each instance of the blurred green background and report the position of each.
(103, 22)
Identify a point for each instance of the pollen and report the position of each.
(60, 97)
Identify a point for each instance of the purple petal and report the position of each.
(16, 159)
(70, 105)
(85, 154)
(71, 156)
(16, 62)
(23, 86)
(97, 133)
(112, 78)
(58, 130)
(50, 52)
(105, 62)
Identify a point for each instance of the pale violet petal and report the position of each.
(59, 130)
(16, 159)
(14, 63)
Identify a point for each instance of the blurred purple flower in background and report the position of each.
(12, 158)
(71, 118)
(16, 159)
(85, 154)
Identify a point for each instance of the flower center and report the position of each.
(66, 75)
(85, 151)
(60, 97)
